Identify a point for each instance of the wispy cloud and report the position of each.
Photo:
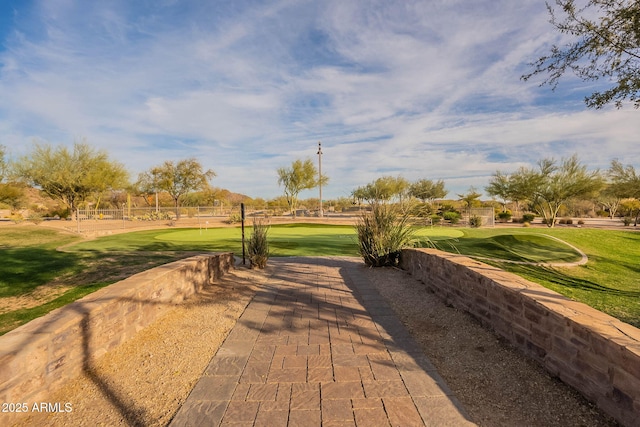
(413, 88)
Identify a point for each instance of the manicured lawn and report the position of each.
(609, 282)
(29, 260)
(512, 246)
(284, 240)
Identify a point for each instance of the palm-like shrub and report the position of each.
(382, 233)
(258, 246)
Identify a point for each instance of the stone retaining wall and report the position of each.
(587, 349)
(41, 355)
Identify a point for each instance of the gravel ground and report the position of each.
(144, 381)
(496, 384)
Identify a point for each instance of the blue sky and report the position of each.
(422, 89)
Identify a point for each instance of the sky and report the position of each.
(418, 89)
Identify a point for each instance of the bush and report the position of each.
(435, 219)
(153, 216)
(547, 221)
(526, 224)
(58, 213)
(234, 218)
(258, 246)
(452, 217)
(528, 218)
(580, 222)
(382, 233)
(16, 218)
(35, 218)
(627, 221)
(504, 216)
(475, 221)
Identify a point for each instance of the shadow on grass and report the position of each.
(86, 273)
(24, 269)
(528, 248)
(543, 274)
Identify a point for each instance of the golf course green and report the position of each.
(284, 240)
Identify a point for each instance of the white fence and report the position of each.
(94, 220)
(486, 215)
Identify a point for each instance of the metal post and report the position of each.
(320, 176)
(242, 216)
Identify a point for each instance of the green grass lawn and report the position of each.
(284, 240)
(512, 246)
(609, 282)
(29, 260)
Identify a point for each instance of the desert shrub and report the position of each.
(58, 213)
(435, 219)
(153, 216)
(526, 224)
(16, 218)
(35, 218)
(547, 221)
(382, 233)
(258, 246)
(234, 218)
(528, 218)
(627, 221)
(475, 221)
(580, 222)
(422, 210)
(452, 217)
(504, 216)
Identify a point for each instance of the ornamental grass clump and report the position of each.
(258, 246)
(382, 234)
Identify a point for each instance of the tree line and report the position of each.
(551, 185)
(543, 190)
(80, 174)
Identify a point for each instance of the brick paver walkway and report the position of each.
(318, 346)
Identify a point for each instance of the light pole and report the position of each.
(321, 214)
